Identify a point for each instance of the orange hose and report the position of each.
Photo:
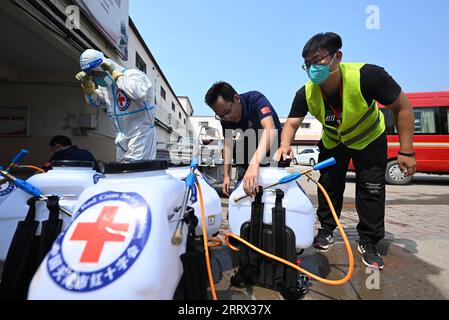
(214, 242)
(311, 275)
(206, 249)
(34, 168)
(27, 166)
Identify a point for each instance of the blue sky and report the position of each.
(256, 45)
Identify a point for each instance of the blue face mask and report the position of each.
(105, 81)
(319, 73)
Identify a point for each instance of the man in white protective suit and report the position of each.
(127, 96)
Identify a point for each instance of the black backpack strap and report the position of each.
(21, 257)
(255, 233)
(279, 228)
(279, 241)
(51, 228)
(193, 283)
(252, 270)
(249, 260)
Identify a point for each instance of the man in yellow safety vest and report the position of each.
(343, 97)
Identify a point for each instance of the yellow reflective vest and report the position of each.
(361, 124)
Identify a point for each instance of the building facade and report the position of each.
(37, 85)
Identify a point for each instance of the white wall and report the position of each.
(185, 102)
(48, 107)
(312, 133)
(188, 108)
(164, 106)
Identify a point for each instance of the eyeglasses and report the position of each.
(307, 64)
(225, 114)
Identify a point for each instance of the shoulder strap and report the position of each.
(21, 255)
(256, 228)
(279, 228)
(51, 228)
(279, 242)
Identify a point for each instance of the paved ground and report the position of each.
(415, 249)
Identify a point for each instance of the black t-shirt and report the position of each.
(375, 83)
(255, 108)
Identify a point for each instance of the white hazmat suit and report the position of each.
(127, 96)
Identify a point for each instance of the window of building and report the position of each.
(173, 107)
(163, 93)
(305, 125)
(180, 117)
(140, 64)
(203, 123)
(185, 122)
(169, 118)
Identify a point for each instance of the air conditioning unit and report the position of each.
(88, 121)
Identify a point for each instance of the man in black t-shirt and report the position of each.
(343, 97)
(374, 82)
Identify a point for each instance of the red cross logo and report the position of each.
(121, 100)
(96, 235)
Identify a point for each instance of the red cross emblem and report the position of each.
(98, 233)
(123, 101)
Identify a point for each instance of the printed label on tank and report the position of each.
(7, 188)
(97, 177)
(105, 239)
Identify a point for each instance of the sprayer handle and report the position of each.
(177, 236)
(194, 163)
(290, 178)
(190, 179)
(28, 187)
(19, 156)
(324, 164)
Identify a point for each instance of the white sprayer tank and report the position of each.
(118, 245)
(299, 211)
(67, 179)
(212, 202)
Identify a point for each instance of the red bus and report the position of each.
(431, 140)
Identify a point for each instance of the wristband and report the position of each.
(411, 155)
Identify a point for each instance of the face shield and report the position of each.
(90, 62)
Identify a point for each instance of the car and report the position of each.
(308, 156)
